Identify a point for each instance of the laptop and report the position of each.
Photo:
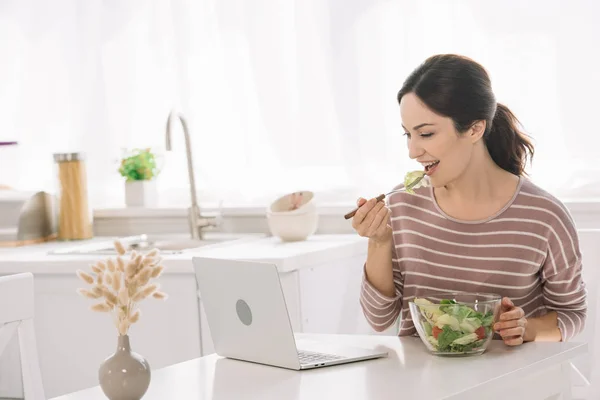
(248, 318)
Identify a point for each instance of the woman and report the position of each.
(481, 226)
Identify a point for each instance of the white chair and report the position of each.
(16, 316)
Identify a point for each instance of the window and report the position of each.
(281, 96)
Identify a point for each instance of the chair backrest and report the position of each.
(16, 316)
(16, 298)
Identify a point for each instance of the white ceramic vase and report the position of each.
(141, 193)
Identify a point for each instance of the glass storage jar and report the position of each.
(75, 221)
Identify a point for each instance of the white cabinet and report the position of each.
(320, 279)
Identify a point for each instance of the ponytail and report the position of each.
(508, 146)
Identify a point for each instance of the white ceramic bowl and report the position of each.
(293, 217)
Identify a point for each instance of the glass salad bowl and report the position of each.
(455, 324)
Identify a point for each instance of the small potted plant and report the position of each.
(139, 168)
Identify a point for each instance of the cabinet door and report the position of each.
(329, 295)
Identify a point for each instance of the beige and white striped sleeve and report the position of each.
(564, 290)
(381, 311)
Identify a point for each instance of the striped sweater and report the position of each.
(528, 251)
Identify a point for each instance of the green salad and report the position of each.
(415, 176)
(453, 327)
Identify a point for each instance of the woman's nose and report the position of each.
(414, 149)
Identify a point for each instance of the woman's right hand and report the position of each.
(372, 220)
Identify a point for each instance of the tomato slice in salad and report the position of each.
(435, 331)
(480, 332)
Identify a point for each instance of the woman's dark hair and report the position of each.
(459, 88)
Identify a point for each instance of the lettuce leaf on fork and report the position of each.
(411, 177)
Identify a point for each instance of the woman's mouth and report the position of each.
(431, 167)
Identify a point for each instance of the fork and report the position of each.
(383, 196)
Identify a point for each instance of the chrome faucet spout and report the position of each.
(194, 216)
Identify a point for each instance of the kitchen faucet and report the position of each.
(196, 220)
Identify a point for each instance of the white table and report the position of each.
(409, 372)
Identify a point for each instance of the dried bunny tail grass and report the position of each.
(157, 271)
(122, 312)
(123, 295)
(123, 327)
(97, 290)
(108, 279)
(138, 262)
(145, 292)
(152, 253)
(116, 281)
(120, 264)
(132, 288)
(100, 279)
(135, 317)
(101, 307)
(110, 297)
(89, 294)
(111, 265)
(96, 269)
(84, 276)
(152, 261)
(157, 261)
(130, 269)
(143, 277)
(101, 265)
(148, 261)
(134, 254)
(119, 247)
(160, 295)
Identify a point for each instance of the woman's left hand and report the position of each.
(511, 324)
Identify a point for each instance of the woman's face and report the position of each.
(434, 142)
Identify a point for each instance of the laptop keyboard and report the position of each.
(310, 357)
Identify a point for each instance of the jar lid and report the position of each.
(61, 157)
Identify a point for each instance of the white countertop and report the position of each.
(288, 256)
(409, 372)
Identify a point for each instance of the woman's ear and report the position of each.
(477, 130)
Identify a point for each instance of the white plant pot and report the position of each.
(141, 193)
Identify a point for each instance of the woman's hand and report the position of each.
(511, 324)
(371, 220)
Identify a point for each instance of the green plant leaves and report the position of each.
(139, 166)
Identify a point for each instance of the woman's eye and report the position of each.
(426, 134)
(407, 134)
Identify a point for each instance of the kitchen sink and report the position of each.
(167, 244)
